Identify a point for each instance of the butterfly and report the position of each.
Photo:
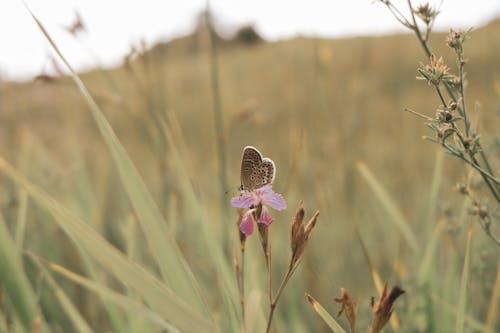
(256, 171)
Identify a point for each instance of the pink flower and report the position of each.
(265, 217)
(246, 225)
(264, 196)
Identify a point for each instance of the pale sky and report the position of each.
(113, 26)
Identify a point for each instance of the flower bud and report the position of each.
(382, 309)
(299, 233)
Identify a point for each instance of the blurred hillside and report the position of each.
(315, 105)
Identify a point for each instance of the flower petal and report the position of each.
(265, 217)
(274, 200)
(262, 191)
(246, 225)
(244, 200)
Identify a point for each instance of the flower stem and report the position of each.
(241, 287)
(273, 303)
(269, 275)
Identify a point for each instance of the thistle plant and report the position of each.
(451, 124)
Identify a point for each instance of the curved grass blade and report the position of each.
(390, 207)
(21, 219)
(124, 302)
(163, 246)
(161, 299)
(79, 323)
(14, 280)
(329, 320)
(212, 235)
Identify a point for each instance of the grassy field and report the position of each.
(328, 112)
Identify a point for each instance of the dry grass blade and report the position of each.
(377, 281)
(462, 295)
(329, 320)
(163, 246)
(396, 216)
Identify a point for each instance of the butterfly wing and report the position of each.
(267, 171)
(250, 162)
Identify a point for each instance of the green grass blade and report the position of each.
(14, 280)
(79, 323)
(493, 312)
(329, 320)
(161, 299)
(163, 246)
(472, 323)
(212, 235)
(434, 191)
(124, 302)
(390, 207)
(462, 294)
(426, 264)
(21, 219)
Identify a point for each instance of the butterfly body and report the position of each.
(256, 171)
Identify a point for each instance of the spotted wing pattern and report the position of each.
(255, 170)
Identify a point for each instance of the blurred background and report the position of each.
(319, 87)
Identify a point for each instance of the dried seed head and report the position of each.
(447, 116)
(299, 233)
(480, 210)
(382, 309)
(349, 308)
(426, 13)
(296, 228)
(435, 72)
(462, 188)
(444, 132)
(456, 39)
(444, 115)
